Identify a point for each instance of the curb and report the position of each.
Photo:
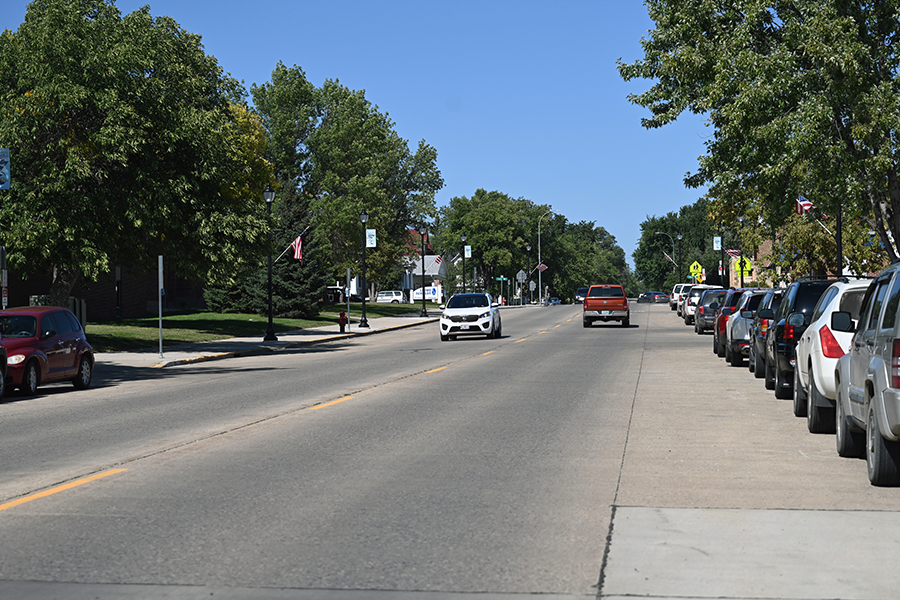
(256, 350)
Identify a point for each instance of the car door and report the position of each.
(59, 342)
(863, 346)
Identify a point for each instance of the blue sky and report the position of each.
(519, 96)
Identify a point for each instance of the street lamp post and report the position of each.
(528, 250)
(741, 259)
(363, 218)
(463, 239)
(679, 236)
(269, 196)
(540, 288)
(422, 231)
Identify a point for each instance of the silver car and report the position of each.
(470, 314)
(737, 328)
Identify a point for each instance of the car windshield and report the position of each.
(710, 298)
(606, 292)
(18, 326)
(474, 301)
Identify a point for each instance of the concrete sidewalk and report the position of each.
(228, 348)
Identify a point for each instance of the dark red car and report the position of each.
(45, 344)
(726, 307)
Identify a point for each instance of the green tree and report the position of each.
(801, 98)
(127, 142)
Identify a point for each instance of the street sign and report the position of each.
(501, 278)
(521, 276)
(743, 267)
(696, 269)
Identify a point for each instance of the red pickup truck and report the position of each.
(606, 303)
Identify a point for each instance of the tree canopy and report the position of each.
(801, 97)
(127, 141)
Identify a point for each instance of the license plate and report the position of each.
(463, 326)
(604, 312)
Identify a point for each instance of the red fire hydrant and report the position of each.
(343, 320)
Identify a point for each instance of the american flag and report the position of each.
(669, 258)
(541, 267)
(297, 245)
(733, 253)
(803, 205)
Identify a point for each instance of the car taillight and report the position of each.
(700, 310)
(895, 364)
(788, 332)
(830, 346)
(763, 326)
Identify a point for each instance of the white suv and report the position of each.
(818, 351)
(391, 296)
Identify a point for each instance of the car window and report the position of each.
(468, 301)
(890, 309)
(753, 302)
(823, 303)
(76, 324)
(877, 301)
(606, 292)
(18, 326)
(63, 325)
(851, 302)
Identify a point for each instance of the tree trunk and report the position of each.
(64, 281)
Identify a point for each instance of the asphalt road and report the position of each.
(558, 460)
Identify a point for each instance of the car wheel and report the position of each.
(728, 352)
(737, 359)
(30, 379)
(850, 443)
(2, 385)
(759, 367)
(799, 395)
(715, 343)
(444, 338)
(750, 357)
(82, 380)
(395, 302)
(882, 456)
(782, 391)
(770, 377)
(720, 352)
(585, 323)
(499, 330)
(626, 322)
(819, 419)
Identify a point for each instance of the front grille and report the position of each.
(464, 318)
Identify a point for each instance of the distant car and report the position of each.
(553, 302)
(606, 302)
(45, 344)
(818, 351)
(705, 311)
(653, 297)
(681, 297)
(470, 314)
(392, 297)
(690, 299)
(580, 293)
(737, 328)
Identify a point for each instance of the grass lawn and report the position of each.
(139, 333)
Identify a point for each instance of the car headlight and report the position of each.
(484, 315)
(15, 359)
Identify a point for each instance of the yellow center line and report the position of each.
(541, 332)
(332, 403)
(488, 352)
(518, 341)
(436, 370)
(556, 326)
(60, 488)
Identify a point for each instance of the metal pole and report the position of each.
(540, 286)
(269, 196)
(422, 231)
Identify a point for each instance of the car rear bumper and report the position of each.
(605, 315)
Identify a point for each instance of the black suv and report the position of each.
(785, 329)
(758, 329)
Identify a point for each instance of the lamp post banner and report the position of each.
(370, 238)
(4, 169)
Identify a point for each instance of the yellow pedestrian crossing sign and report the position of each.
(696, 269)
(743, 266)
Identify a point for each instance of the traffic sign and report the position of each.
(743, 266)
(696, 269)
(521, 276)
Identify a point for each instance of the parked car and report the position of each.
(758, 328)
(818, 351)
(709, 302)
(470, 314)
(737, 328)
(580, 293)
(676, 294)
(788, 325)
(45, 344)
(729, 302)
(867, 380)
(691, 299)
(653, 297)
(553, 302)
(392, 297)
(682, 295)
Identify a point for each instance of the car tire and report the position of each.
(715, 343)
(759, 366)
(626, 322)
(395, 302)
(498, 331)
(444, 338)
(882, 456)
(30, 379)
(737, 359)
(721, 348)
(782, 392)
(770, 377)
(82, 379)
(751, 366)
(799, 396)
(585, 323)
(727, 351)
(850, 443)
(819, 419)
(2, 385)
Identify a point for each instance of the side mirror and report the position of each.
(746, 314)
(727, 310)
(495, 304)
(765, 313)
(796, 319)
(842, 321)
(442, 306)
(714, 306)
